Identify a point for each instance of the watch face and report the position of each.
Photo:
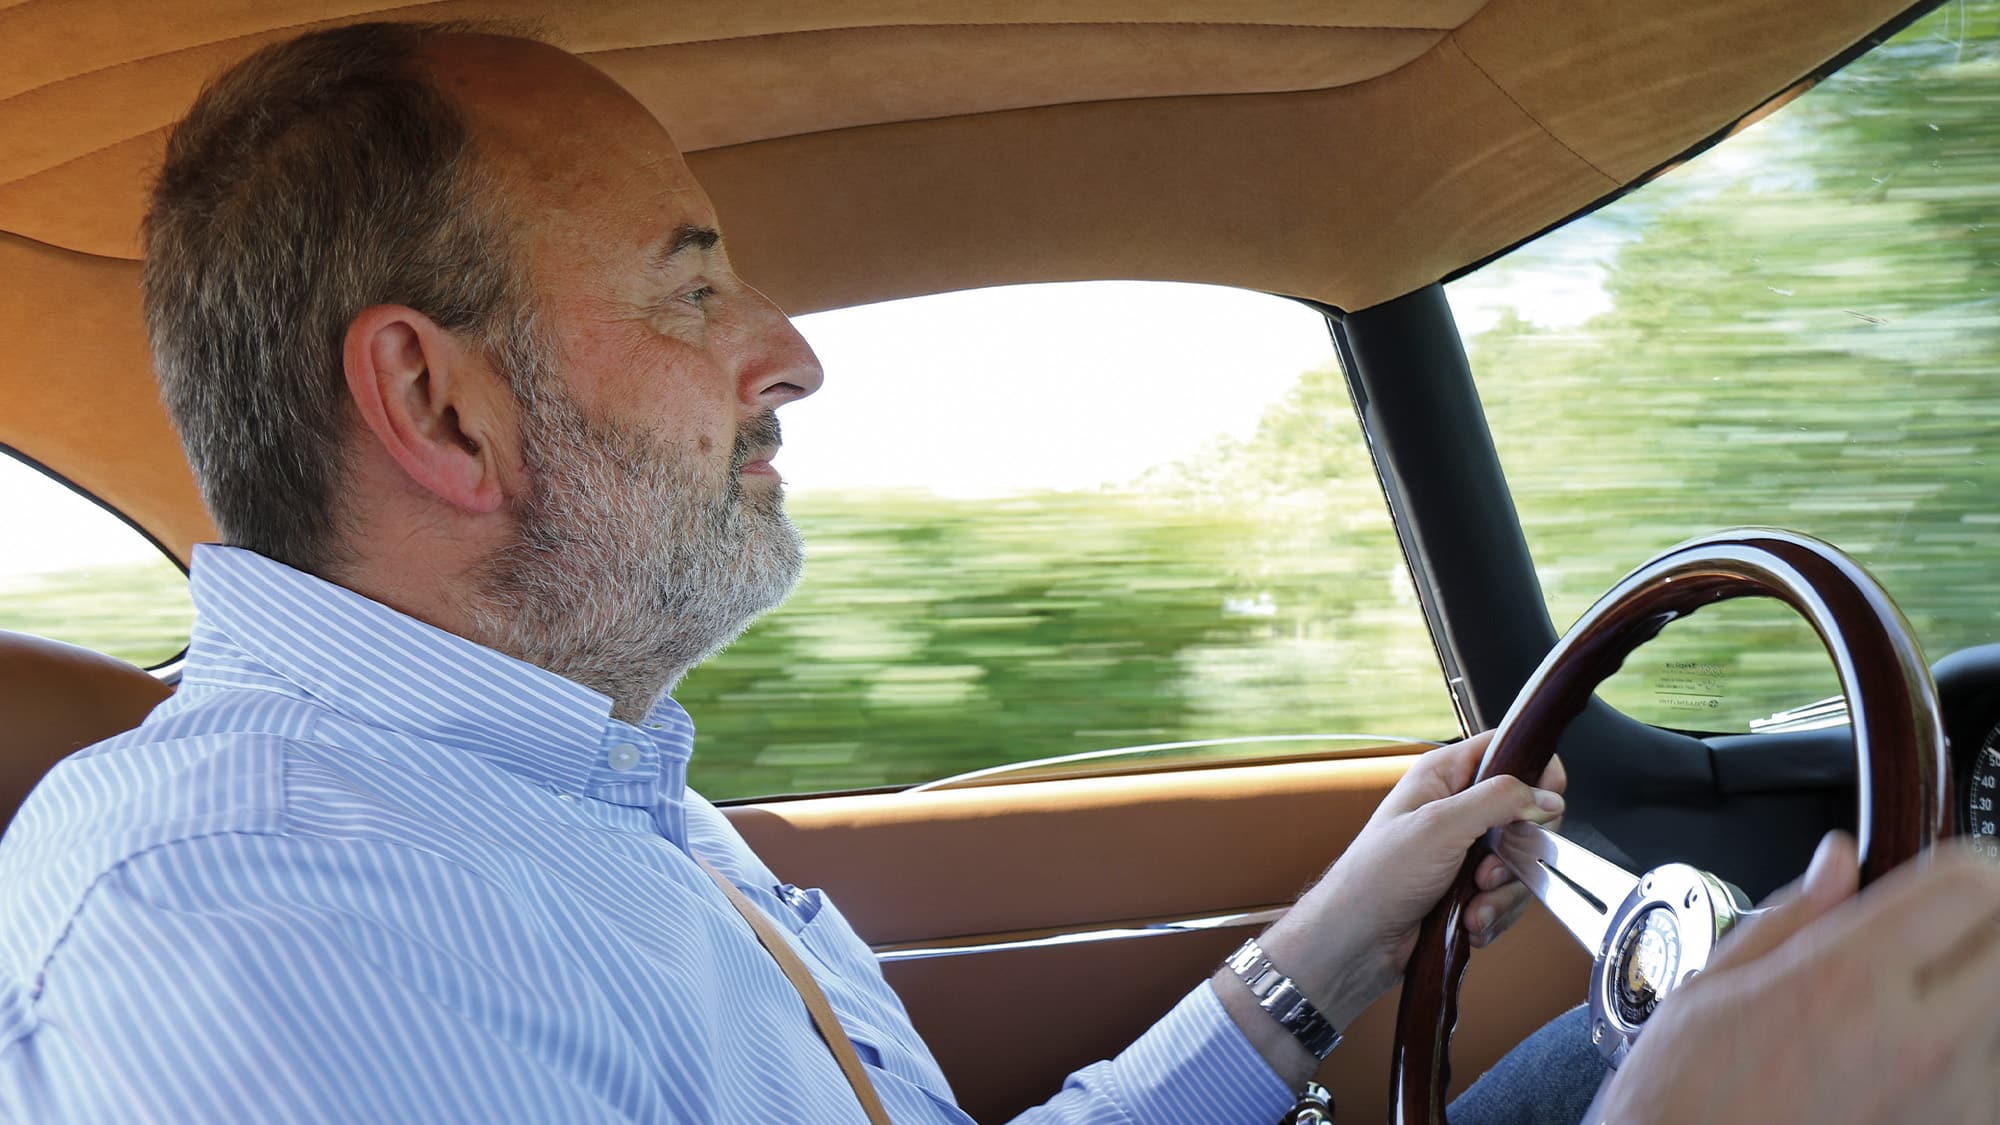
(1648, 957)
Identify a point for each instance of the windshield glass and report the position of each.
(1058, 519)
(1799, 328)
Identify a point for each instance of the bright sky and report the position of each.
(1557, 282)
(980, 393)
(1047, 386)
(48, 527)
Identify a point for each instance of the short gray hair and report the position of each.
(317, 177)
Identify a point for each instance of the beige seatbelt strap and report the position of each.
(816, 1003)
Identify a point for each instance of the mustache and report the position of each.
(755, 439)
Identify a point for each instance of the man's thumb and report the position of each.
(1831, 878)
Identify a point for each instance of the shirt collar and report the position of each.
(373, 664)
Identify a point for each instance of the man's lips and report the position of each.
(759, 465)
(757, 441)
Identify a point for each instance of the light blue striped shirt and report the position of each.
(361, 869)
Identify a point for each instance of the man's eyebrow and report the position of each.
(684, 238)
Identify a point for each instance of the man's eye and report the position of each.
(699, 297)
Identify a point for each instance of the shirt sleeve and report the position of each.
(1194, 1066)
(183, 993)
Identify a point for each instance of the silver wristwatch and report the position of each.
(1277, 995)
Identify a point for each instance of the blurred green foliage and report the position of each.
(139, 612)
(1804, 332)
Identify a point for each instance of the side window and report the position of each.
(1062, 519)
(72, 571)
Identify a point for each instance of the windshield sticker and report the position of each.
(1689, 685)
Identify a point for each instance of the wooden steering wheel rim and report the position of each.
(1892, 703)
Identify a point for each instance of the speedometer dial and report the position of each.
(1982, 797)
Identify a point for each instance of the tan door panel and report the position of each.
(993, 865)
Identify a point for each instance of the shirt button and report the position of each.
(623, 756)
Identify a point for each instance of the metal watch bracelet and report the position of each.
(1279, 997)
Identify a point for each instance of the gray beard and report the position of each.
(629, 568)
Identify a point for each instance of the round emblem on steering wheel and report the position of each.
(1649, 956)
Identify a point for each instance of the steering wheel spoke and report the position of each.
(1583, 890)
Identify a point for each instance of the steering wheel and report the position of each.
(1647, 933)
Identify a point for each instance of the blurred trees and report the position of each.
(936, 636)
(1804, 332)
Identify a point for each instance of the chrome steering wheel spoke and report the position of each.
(1581, 889)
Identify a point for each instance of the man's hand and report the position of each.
(1837, 1008)
(1347, 939)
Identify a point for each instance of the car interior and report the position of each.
(1354, 156)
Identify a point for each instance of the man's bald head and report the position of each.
(316, 178)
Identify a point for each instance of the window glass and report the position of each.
(72, 571)
(1799, 328)
(1057, 519)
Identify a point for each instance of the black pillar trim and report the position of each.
(1412, 386)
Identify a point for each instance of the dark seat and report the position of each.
(57, 698)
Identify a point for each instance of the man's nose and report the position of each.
(781, 366)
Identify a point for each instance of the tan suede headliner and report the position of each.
(1345, 150)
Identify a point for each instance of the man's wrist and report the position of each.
(1281, 998)
(1341, 971)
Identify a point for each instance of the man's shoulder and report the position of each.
(185, 772)
(237, 766)
(137, 793)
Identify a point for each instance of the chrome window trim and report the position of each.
(1198, 924)
(991, 774)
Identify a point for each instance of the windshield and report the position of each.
(1799, 328)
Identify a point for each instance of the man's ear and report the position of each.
(430, 402)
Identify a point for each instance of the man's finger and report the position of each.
(1932, 907)
(1957, 988)
(1554, 777)
(1831, 878)
(1437, 773)
(1492, 874)
(1454, 765)
(1488, 915)
(1492, 803)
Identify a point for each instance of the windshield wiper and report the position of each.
(1828, 712)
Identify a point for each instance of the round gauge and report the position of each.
(1649, 956)
(1982, 797)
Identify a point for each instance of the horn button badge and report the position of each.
(1661, 937)
(1649, 952)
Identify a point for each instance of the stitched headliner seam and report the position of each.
(838, 128)
(331, 20)
(998, 26)
(1440, 32)
(59, 248)
(67, 161)
(400, 8)
(1452, 38)
(949, 116)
